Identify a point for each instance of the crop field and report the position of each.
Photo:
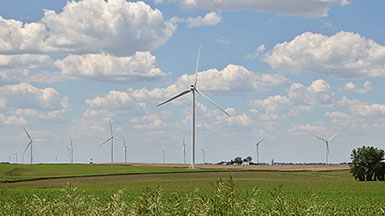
(152, 190)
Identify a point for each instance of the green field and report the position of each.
(133, 190)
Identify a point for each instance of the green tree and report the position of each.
(238, 160)
(367, 164)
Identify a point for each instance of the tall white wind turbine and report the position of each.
(257, 149)
(111, 138)
(327, 151)
(29, 144)
(125, 150)
(193, 89)
(184, 151)
(204, 156)
(16, 156)
(70, 150)
(164, 156)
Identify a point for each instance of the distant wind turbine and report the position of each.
(16, 156)
(164, 156)
(184, 151)
(111, 138)
(257, 146)
(30, 143)
(193, 89)
(327, 151)
(125, 150)
(70, 150)
(204, 156)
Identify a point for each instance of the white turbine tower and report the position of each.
(70, 150)
(125, 150)
(29, 144)
(184, 151)
(204, 156)
(164, 156)
(193, 89)
(327, 151)
(16, 156)
(257, 146)
(111, 138)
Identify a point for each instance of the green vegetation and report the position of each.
(20, 172)
(367, 164)
(164, 192)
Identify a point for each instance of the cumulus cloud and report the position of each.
(116, 27)
(106, 68)
(350, 87)
(361, 108)
(303, 8)
(210, 19)
(233, 78)
(299, 98)
(14, 68)
(319, 92)
(275, 107)
(12, 120)
(25, 100)
(343, 55)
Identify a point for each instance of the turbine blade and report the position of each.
(260, 141)
(27, 134)
(111, 129)
(30, 142)
(106, 141)
(332, 137)
(327, 147)
(179, 95)
(321, 138)
(119, 139)
(197, 66)
(212, 102)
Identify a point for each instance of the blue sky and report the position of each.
(284, 70)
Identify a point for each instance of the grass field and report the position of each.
(148, 190)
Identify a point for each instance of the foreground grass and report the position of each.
(127, 190)
(222, 199)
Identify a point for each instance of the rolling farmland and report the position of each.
(152, 190)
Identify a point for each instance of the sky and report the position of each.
(285, 70)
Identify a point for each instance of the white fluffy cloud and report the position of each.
(210, 19)
(102, 67)
(299, 98)
(25, 100)
(275, 107)
(233, 78)
(350, 87)
(364, 109)
(319, 92)
(304, 8)
(14, 68)
(117, 27)
(343, 55)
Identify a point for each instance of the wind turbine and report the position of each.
(71, 152)
(164, 156)
(29, 144)
(193, 89)
(16, 156)
(327, 145)
(184, 151)
(112, 143)
(257, 145)
(125, 150)
(204, 156)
